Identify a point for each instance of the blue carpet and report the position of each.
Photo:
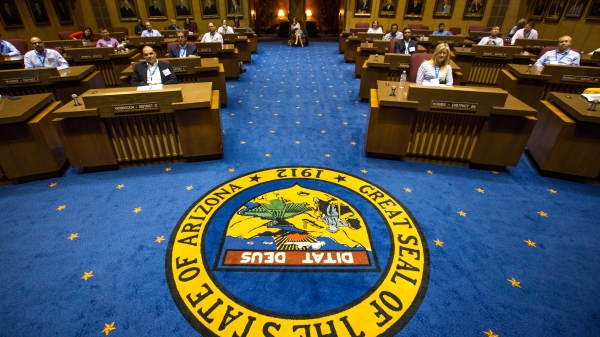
(299, 106)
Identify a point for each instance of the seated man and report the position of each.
(493, 39)
(149, 31)
(224, 28)
(441, 30)
(525, 33)
(152, 71)
(7, 49)
(212, 35)
(406, 45)
(182, 49)
(393, 34)
(106, 40)
(173, 25)
(562, 55)
(41, 57)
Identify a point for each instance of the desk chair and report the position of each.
(414, 63)
(476, 29)
(64, 35)
(123, 30)
(20, 44)
(362, 25)
(193, 27)
(549, 48)
(393, 45)
(455, 30)
(415, 26)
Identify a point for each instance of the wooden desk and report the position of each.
(589, 61)
(241, 43)
(534, 46)
(482, 64)
(227, 54)
(566, 140)
(342, 45)
(367, 49)
(109, 63)
(29, 145)
(12, 62)
(66, 44)
(186, 125)
(531, 87)
(352, 44)
(389, 67)
(251, 37)
(492, 134)
(62, 84)
(192, 70)
(159, 43)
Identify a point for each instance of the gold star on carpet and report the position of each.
(275, 114)
(407, 189)
(297, 107)
(167, 169)
(429, 171)
(267, 155)
(494, 172)
(278, 101)
(160, 239)
(261, 95)
(108, 328)
(552, 191)
(73, 236)
(137, 210)
(352, 143)
(297, 142)
(250, 122)
(189, 188)
(461, 213)
(438, 242)
(246, 90)
(320, 115)
(514, 282)
(232, 170)
(339, 108)
(364, 115)
(345, 123)
(323, 131)
(317, 101)
(530, 243)
(363, 171)
(52, 184)
(542, 213)
(120, 186)
(479, 190)
(334, 96)
(327, 155)
(272, 131)
(87, 275)
(490, 333)
(61, 207)
(256, 107)
(297, 122)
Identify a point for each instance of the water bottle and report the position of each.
(403, 79)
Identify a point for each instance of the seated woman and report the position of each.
(375, 28)
(437, 70)
(236, 22)
(186, 25)
(297, 32)
(85, 35)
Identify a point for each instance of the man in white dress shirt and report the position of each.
(40, 57)
(212, 35)
(525, 33)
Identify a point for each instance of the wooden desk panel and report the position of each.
(29, 145)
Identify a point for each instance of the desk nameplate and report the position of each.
(84, 57)
(137, 107)
(581, 79)
(490, 54)
(22, 80)
(205, 50)
(450, 105)
(180, 69)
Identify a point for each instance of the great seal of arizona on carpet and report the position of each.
(297, 251)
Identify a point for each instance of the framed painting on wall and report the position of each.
(38, 12)
(474, 9)
(363, 8)
(128, 10)
(62, 12)
(555, 10)
(210, 9)
(234, 8)
(414, 8)
(10, 15)
(443, 8)
(156, 10)
(183, 9)
(539, 8)
(575, 9)
(388, 8)
(594, 11)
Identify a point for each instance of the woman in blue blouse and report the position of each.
(438, 69)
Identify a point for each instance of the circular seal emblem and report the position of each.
(297, 251)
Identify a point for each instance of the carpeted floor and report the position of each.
(299, 106)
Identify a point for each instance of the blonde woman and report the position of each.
(375, 28)
(438, 69)
(297, 32)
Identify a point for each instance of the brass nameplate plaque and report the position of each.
(402, 65)
(449, 105)
(146, 43)
(181, 69)
(137, 107)
(90, 57)
(528, 46)
(583, 79)
(205, 50)
(22, 80)
(492, 54)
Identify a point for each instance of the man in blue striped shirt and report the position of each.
(7, 49)
(563, 55)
